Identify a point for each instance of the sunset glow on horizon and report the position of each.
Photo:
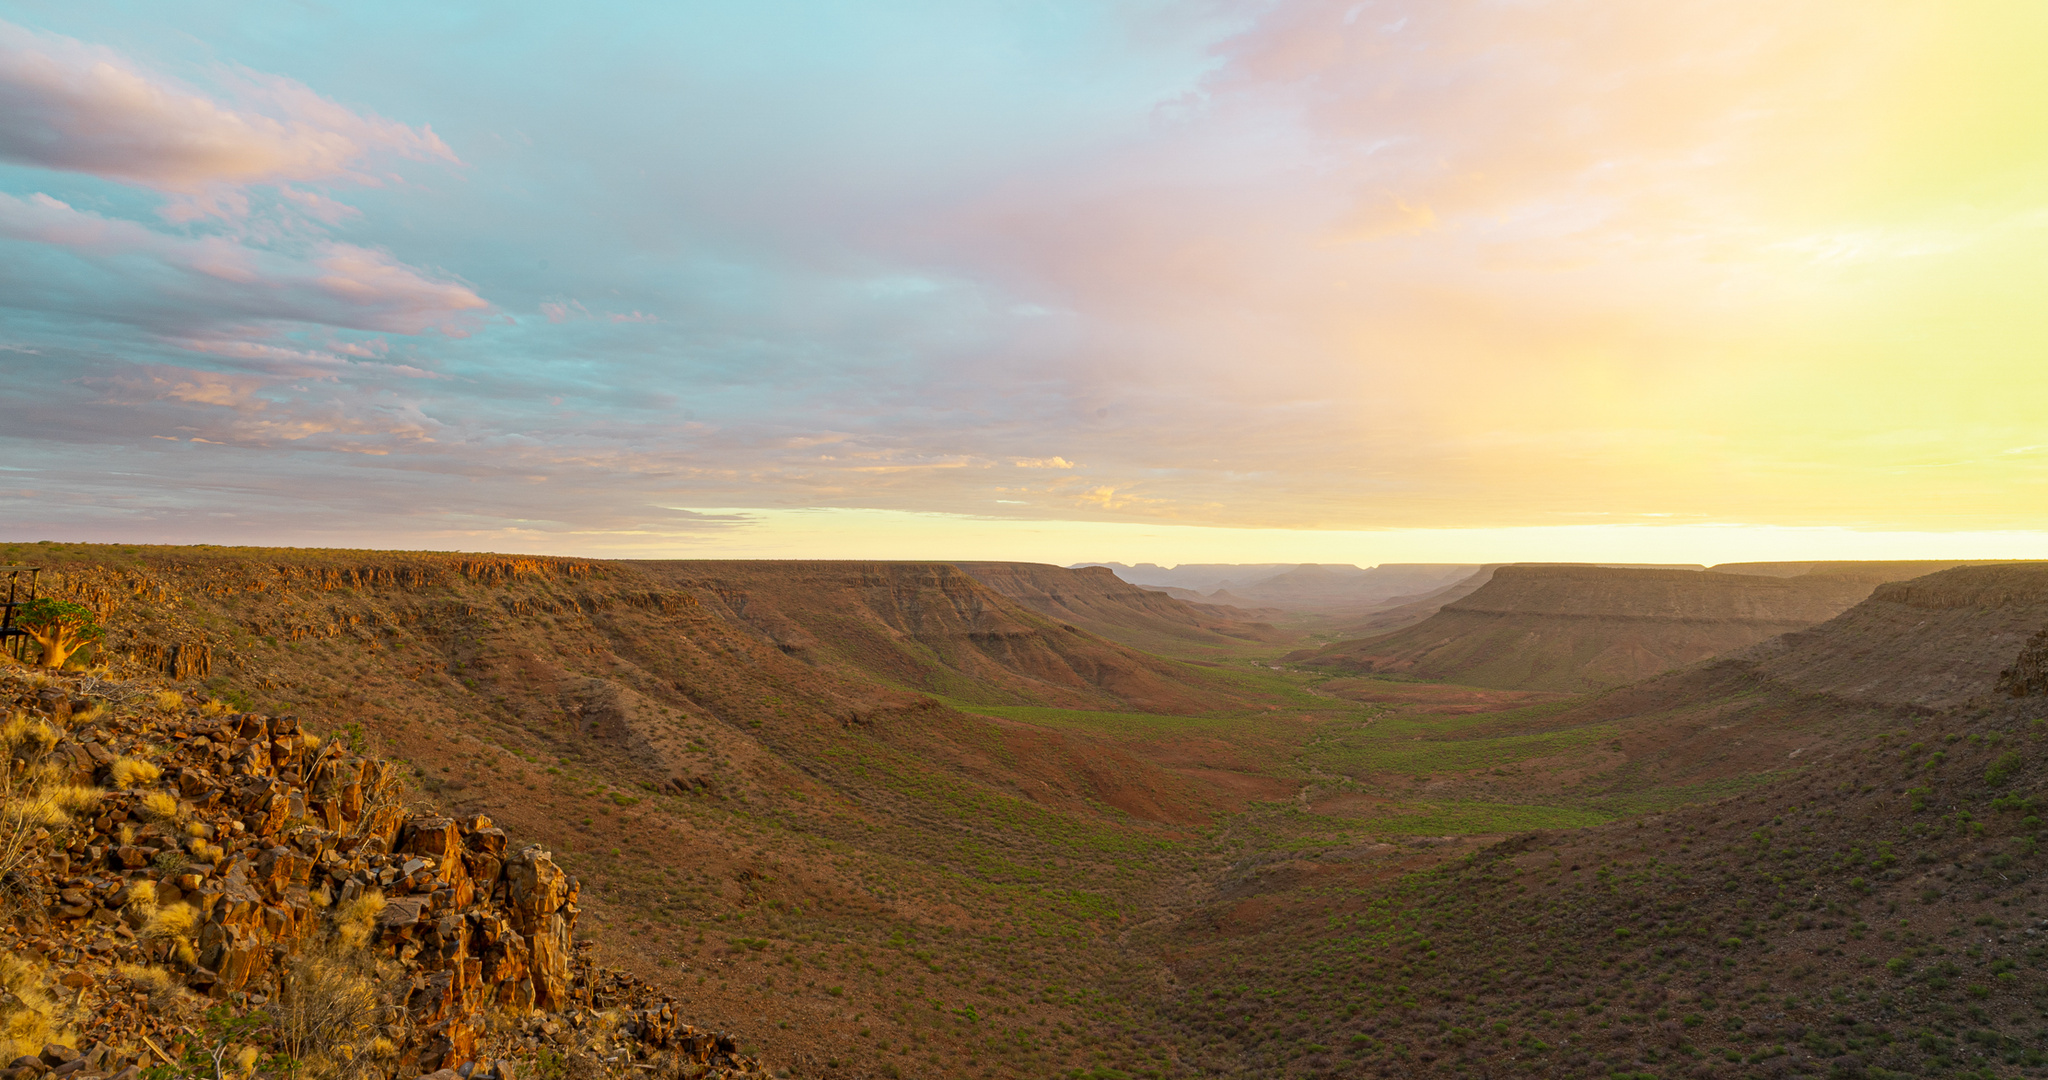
(1274, 281)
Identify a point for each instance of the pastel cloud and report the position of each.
(328, 283)
(75, 107)
(1290, 265)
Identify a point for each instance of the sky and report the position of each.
(1287, 280)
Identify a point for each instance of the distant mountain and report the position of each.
(1096, 600)
(1198, 577)
(1332, 589)
(1338, 589)
(1399, 611)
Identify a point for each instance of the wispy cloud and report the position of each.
(189, 281)
(75, 107)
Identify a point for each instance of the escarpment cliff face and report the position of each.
(934, 627)
(1096, 600)
(1586, 627)
(1876, 571)
(1931, 642)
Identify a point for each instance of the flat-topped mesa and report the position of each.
(1934, 642)
(1570, 627)
(1684, 595)
(2004, 585)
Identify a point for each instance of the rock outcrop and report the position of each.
(252, 834)
(2028, 675)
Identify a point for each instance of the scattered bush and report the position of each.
(326, 1013)
(2002, 770)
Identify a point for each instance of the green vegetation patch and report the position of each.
(1120, 724)
(1451, 743)
(1470, 818)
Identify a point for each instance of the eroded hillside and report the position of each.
(1579, 628)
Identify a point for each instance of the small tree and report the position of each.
(59, 626)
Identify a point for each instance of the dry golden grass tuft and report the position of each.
(164, 990)
(175, 923)
(142, 896)
(161, 806)
(75, 798)
(329, 999)
(20, 735)
(169, 700)
(356, 920)
(30, 1016)
(52, 807)
(131, 773)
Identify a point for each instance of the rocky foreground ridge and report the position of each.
(187, 885)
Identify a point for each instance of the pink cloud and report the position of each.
(76, 107)
(561, 311)
(329, 362)
(558, 312)
(327, 283)
(258, 410)
(403, 299)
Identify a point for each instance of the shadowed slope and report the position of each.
(1931, 642)
(1587, 627)
(1913, 648)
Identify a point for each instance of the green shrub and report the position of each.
(2001, 771)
